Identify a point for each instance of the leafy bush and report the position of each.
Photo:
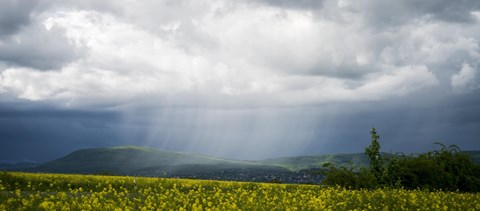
(348, 178)
(446, 168)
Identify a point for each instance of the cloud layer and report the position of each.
(129, 57)
(324, 52)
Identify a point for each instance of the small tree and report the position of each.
(374, 156)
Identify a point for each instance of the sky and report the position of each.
(246, 79)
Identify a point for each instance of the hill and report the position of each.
(123, 160)
(150, 162)
(317, 161)
(354, 160)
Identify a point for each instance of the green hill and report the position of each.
(317, 161)
(354, 160)
(122, 160)
(126, 160)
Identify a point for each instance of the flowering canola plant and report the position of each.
(29, 191)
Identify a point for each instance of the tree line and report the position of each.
(443, 168)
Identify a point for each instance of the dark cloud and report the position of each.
(390, 13)
(452, 11)
(43, 133)
(39, 48)
(14, 14)
(26, 42)
(393, 13)
(408, 124)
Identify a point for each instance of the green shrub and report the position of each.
(446, 168)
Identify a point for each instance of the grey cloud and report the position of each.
(107, 6)
(347, 71)
(14, 14)
(453, 11)
(300, 4)
(38, 48)
(466, 80)
(391, 13)
(191, 38)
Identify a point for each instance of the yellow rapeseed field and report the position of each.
(27, 191)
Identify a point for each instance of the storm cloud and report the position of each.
(243, 79)
(14, 15)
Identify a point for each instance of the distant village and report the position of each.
(308, 176)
